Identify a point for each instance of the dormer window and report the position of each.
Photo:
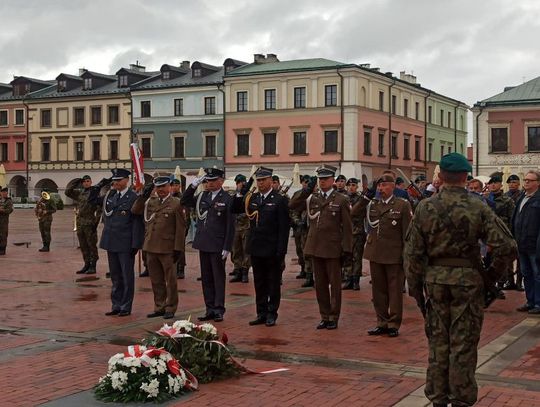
(21, 90)
(122, 81)
(229, 68)
(62, 85)
(166, 75)
(197, 72)
(87, 83)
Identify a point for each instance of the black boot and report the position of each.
(245, 275)
(144, 273)
(91, 268)
(237, 277)
(348, 285)
(45, 248)
(180, 271)
(2, 251)
(356, 283)
(83, 270)
(309, 280)
(302, 274)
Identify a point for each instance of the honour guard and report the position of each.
(388, 219)
(239, 255)
(329, 241)
(6, 207)
(44, 210)
(122, 237)
(164, 241)
(213, 237)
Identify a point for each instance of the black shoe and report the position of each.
(180, 274)
(331, 325)
(393, 332)
(145, 273)
(236, 278)
(107, 275)
(83, 270)
(245, 275)
(113, 312)
(377, 331)
(91, 268)
(258, 321)
(218, 318)
(156, 314)
(199, 278)
(309, 282)
(44, 249)
(124, 313)
(323, 324)
(509, 285)
(300, 275)
(519, 287)
(206, 317)
(168, 315)
(234, 272)
(348, 285)
(356, 283)
(440, 404)
(270, 321)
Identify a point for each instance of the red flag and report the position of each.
(138, 166)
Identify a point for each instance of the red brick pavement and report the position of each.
(526, 367)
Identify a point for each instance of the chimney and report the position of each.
(185, 65)
(82, 71)
(389, 74)
(137, 67)
(271, 58)
(407, 77)
(258, 58)
(507, 88)
(365, 66)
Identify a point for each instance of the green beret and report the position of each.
(494, 179)
(175, 181)
(240, 178)
(85, 177)
(455, 162)
(512, 177)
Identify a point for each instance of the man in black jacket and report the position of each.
(526, 228)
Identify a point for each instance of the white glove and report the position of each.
(198, 181)
(224, 254)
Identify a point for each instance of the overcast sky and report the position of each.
(468, 50)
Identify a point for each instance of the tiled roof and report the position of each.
(68, 76)
(52, 91)
(286, 66)
(528, 92)
(157, 82)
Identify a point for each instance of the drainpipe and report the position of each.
(390, 123)
(477, 139)
(342, 114)
(27, 116)
(425, 128)
(221, 88)
(455, 128)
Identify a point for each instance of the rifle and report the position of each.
(414, 189)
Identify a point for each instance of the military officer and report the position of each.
(44, 210)
(442, 256)
(388, 218)
(276, 183)
(6, 208)
(329, 241)
(122, 237)
(164, 241)
(176, 185)
(239, 255)
(514, 190)
(341, 181)
(87, 220)
(213, 237)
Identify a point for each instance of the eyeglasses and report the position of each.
(530, 180)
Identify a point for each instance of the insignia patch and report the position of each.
(394, 223)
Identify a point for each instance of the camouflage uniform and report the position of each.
(6, 207)
(88, 216)
(240, 258)
(300, 232)
(353, 270)
(503, 206)
(45, 222)
(443, 260)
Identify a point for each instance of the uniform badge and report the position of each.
(394, 223)
(219, 214)
(123, 213)
(166, 215)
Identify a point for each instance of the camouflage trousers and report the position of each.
(353, 267)
(45, 230)
(87, 235)
(308, 262)
(4, 226)
(239, 257)
(297, 234)
(453, 324)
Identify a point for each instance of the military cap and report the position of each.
(213, 173)
(469, 177)
(420, 178)
(325, 171)
(305, 178)
(386, 178)
(512, 177)
(120, 173)
(352, 181)
(341, 177)
(275, 178)
(494, 179)
(455, 162)
(162, 180)
(263, 172)
(399, 180)
(175, 181)
(85, 177)
(240, 178)
(4, 189)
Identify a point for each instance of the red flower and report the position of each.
(224, 338)
(173, 366)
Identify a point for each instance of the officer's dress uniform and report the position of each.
(6, 208)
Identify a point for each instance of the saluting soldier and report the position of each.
(87, 220)
(239, 255)
(164, 241)
(44, 210)
(122, 237)
(442, 258)
(6, 208)
(388, 218)
(213, 237)
(329, 241)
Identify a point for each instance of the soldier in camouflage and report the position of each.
(44, 210)
(176, 186)
(239, 256)
(300, 231)
(442, 258)
(6, 207)
(88, 216)
(515, 192)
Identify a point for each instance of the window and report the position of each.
(461, 147)
(442, 118)
(499, 140)
(442, 151)
(367, 142)
(429, 113)
(87, 84)
(178, 107)
(197, 72)
(79, 150)
(417, 149)
(533, 139)
(62, 85)
(430, 151)
(381, 101)
(166, 75)
(461, 123)
(3, 117)
(179, 146)
(19, 153)
(394, 145)
(406, 148)
(45, 151)
(210, 105)
(3, 152)
(299, 142)
(449, 149)
(78, 116)
(416, 111)
(406, 107)
(242, 144)
(381, 144)
(394, 99)
(19, 117)
(113, 150)
(299, 98)
(241, 101)
(46, 118)
(330, 141)
(269, 144)
(210, 146)
(112, 115)
(270, 99)
(95, 113)
(122, 81)
(145, 108)
(96, 150)
(330, 95)
(20, 90)
(449, 119)
(146, 147)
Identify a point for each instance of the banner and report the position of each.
(138, 166)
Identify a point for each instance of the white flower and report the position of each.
(153, 371)
(188, 326)
(151, 388)
(115, 358)
(172, 384)
(161, 369)
(118, 379)
(209, 328)
(133, 370)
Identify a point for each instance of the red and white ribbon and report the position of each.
(138, 166)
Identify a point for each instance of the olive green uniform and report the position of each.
(6, 207)
(353, 270)
(45, 221)
(300, 232)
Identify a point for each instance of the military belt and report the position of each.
(450, 262)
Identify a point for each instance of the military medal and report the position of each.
(394, 223)
(166, 215)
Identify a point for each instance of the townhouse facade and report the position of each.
(507, 130)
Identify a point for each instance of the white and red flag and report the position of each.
(138, 166)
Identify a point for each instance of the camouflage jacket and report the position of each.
(429, 238)
(298, 216)
(88, 212)
(6, 207)
(503, 207)
(515, 195)
(46, 209)
(358, 215)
